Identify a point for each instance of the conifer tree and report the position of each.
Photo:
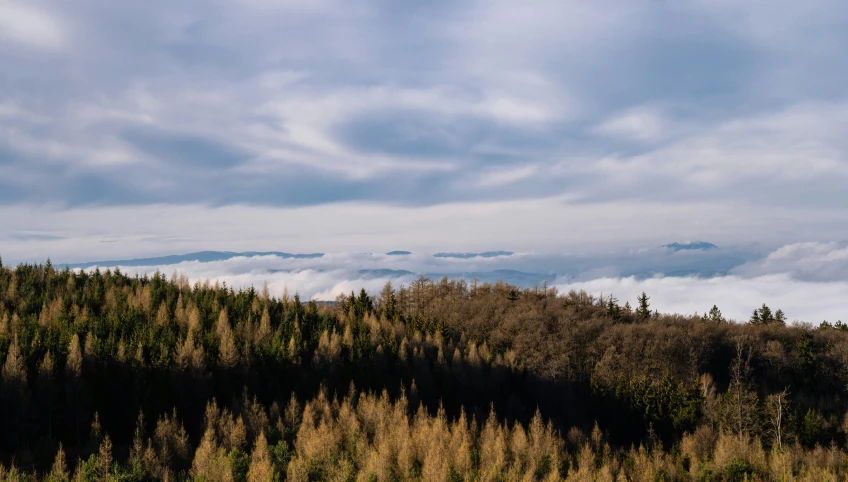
(260, 469)
(163, 316)
(45, 384)
(73, 385)
(765, 314)
(222, 324)
(643, 310)
(13, 387)
(14, 371)
(59, 471)
(228, 355)
(210, 463)
(715, 315)
(263, 334)
(103, 465)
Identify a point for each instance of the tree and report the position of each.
(210, 461)
(263, 334)
(13, 393)
(811, 427)
(780, 317)
(59, 472)
(14, 371)
(73, 385)
(104, 459)
(613, 310)
(715, 315)
(388, 302)
(739, 403)
(777, 408)
(643, 310)
(228, 353)
(46, 387)
(766, 315)
(260, 469)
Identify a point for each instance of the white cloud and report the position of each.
(640, 124)
(796, 144)
(325, 278)
(736, 297)
(808, 260)
(501, 177)
(30, 26)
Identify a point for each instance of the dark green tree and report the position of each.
(643, 310)
(766, 315)
(715, 315)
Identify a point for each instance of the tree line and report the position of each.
(112, 377)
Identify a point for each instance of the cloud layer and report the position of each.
(678, 282)
(302, 103)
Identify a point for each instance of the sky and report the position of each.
(556, 127)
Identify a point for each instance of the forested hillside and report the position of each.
(108, 377)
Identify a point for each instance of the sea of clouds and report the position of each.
(808, 281)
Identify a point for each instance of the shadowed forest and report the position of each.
(110, 377)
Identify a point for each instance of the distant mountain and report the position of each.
(201, 256)
(399, 253)
(484, 254)
(690, 246)
(384, 273)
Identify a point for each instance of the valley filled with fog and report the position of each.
(808, 281)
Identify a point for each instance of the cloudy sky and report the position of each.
(131, 129)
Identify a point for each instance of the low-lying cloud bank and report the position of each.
(735, 296)
(809, 281)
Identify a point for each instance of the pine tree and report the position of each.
(715, 315)
(59, 472)
(260, 469)
(263, 334)
(73, 384)
(388, 302)
(103, 465)
(765, 314)
(163, 316)
(643, 310)
(45, 384)
(228, 355)
(613, 310)
(14, 371)
(210, 461)
(13, 393)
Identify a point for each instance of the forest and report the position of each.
(110, 377)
